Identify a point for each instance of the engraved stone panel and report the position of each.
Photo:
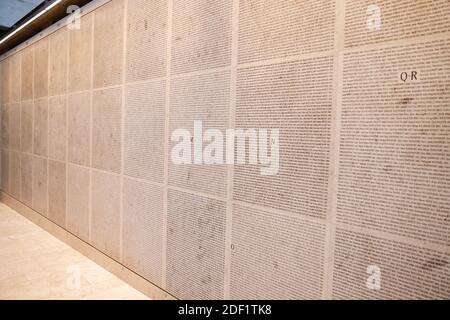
(57, 192)
(27, 76)
(78, 187)
(6, 83)
(275, 256)
(108, 44)
(394, 169)
(296, 98)
(195, 246)
(26, 169)
(26, 126)
(40, 127)
(278, 28)
(146, 39)
(201, 36)
(199, 98)
(142, 229)
(57, 128)
(106, 129)
(14, 158)
(58, 62)
(79, 109)
(105, 217)
(144, 131)
(40, 185)
(399, 19)
(5, 171)
(41, 68)
(14, 126)
(406, 271)
(5, 125)
(80, 55)
(14, 75)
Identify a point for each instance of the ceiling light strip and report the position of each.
(52, 5)
(89, 7)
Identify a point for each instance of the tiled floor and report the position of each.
(36, 265)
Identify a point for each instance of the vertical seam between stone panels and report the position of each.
(231, 125)
(20, 128)
(166, 144)
(9, 119)
(9, 166)
(91, 108)
(66, 94)
(48, 124)
(32, 114)
(32, 127)
(2, 71)
(122, 124)
(8, 110)
(334, 150)
(2, 66)
(9, 140)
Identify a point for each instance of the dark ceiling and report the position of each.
(25, 10)
(14, 12)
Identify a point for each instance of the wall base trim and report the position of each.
(116, 268)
